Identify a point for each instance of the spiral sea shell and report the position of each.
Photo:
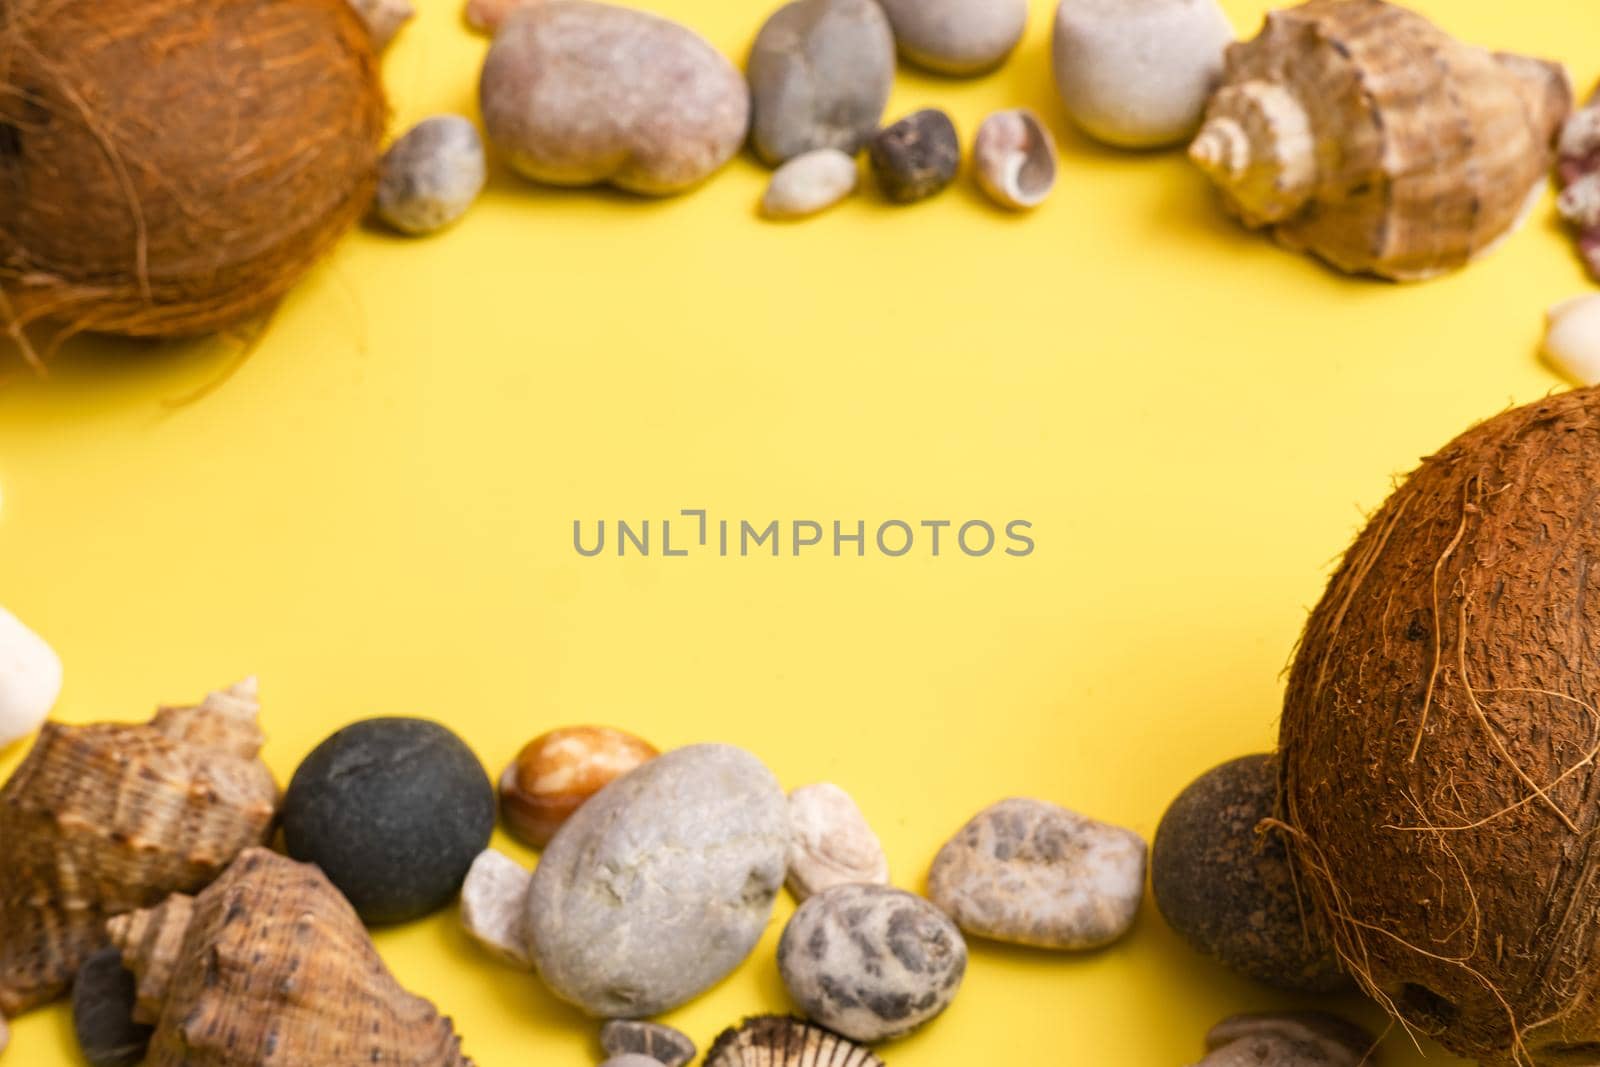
(1359, 131)
(783, 1041)
(271, 967)
(99, 820)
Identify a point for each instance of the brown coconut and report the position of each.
(171, 167)
(1440, 736)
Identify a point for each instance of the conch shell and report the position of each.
(1359, 131)
(102, 819)
(271, 967)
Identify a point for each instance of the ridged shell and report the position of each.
(784, 1041)
(1359, 131)
(271, 967)
(99, 820)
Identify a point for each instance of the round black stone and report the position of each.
(394, 811)
(1228, 890)
(103, 995)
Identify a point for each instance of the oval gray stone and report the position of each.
(661, 884)
(1032, 873)
(431, 175)
(820, 76)
(957, 36)
(870, 962)
(577, 93)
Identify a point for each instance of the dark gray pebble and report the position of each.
(917, 156)
(622, 1037)
(1228, 890)
(102, 1013)
(394, 811)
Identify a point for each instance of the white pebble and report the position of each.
(1572, 339)
(830, 842)
(30, 679)
(432, 175)
(494, 907)
(1138, 73)
(810, 183)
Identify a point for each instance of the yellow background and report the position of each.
(374, 513)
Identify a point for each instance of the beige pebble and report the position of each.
(494, 907)
(830, 842)
(1028, 872)
(487, 16)
(1572, 339)
(810, 183)
(1015, 159)
(580, 93)
(959, 37)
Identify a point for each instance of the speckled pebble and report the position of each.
(916, 157)
(661, 884)
(394, 811)
(871, 962)
(432, 175)
(1031, 873)
(820, 76)
(1228, 890)
(103, 996)
(660, 1044)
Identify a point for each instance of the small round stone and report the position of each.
(660, 1044)
(870, 962)
(394, 811)
(1228, 890)
(960, 37)
(103, 996)
(432, 175)
(631, 1059)
(809, 183)
(917, 156)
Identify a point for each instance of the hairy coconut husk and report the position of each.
(1439, 742)
(172, 167)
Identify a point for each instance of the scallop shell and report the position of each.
(784, 1041)
(1359, 131)
(271, 967)
(99, 820)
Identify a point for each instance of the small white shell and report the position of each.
(830, 842)
(494, 907)
(30, 679)
(384, 18)
(1015, 159)
(1572, 340)
(809, 183)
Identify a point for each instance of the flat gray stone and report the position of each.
(870, 962)
(820, 76)
(661, 884)
(1031, 873)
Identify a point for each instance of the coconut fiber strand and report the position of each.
(171, 167)
(1439, 786)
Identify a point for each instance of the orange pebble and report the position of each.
(555, 773)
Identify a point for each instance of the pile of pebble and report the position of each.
(659, 873)
(575, 93)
